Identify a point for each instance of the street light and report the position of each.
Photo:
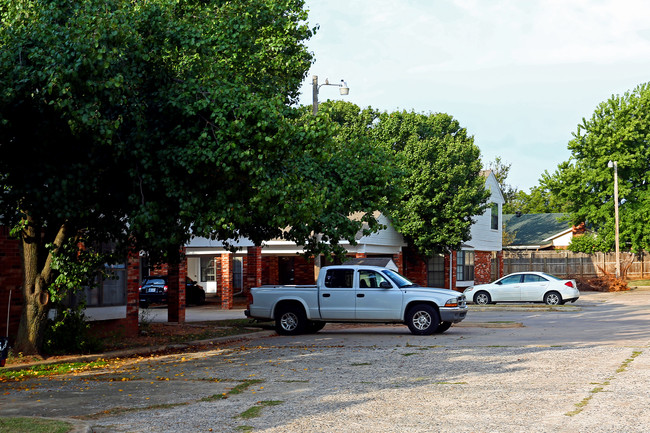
(613, 164)
(343, 90)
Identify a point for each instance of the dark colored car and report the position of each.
(153, 290)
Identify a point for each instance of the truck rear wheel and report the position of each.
(290, 320)
(422, 319)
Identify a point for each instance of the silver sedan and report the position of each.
(525, 287)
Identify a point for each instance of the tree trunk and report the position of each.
(36, 296)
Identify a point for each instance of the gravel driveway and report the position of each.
(585, 368)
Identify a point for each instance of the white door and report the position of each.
(337, 296)
(377, 298)
(509, 289)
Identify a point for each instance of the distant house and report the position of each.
(539, 231)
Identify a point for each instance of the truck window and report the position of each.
(339, 278)
(370, 279)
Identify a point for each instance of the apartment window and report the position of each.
(436, 271)
(207, 268)
(494, 222)
(465, 266)
(237, 273)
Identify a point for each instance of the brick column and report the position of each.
(271, 270)
(482, 267)
(175, 293)
(226, 281)
(132, 293)
(11, 279)
(398, 259)
(253, 276)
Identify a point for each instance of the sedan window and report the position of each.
(532, 278)
(511, 279)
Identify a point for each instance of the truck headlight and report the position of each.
(452, 303)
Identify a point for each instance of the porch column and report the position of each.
(132, 293)
(253, 277)
(176, 292)
(226, 281)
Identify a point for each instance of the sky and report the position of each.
(519, 75)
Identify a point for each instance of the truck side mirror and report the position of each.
(385, 285)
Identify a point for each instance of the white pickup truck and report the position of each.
(357, 294)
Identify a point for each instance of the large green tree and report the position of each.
(619, 130)
(540, 199)
(441, 188)
(140, 123)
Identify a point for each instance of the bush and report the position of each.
(69, 333)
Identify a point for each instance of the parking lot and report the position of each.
(584, 367)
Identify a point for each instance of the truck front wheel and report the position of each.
(290, 320)
(422, 319)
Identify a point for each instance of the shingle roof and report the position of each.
(534, 229)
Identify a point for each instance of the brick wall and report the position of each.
(416, 267)
(303, 270)
(398, 259)
(482, 267)
(11, 279)
(253, 274)
(226, 281)
(270, 270)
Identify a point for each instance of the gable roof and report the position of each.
(373, 261)
(535, 230)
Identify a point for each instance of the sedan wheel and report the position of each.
(553, 298)
(482, 298)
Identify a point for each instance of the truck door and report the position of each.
(377, 298)
(337, 295)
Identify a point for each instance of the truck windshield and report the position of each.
(398, 279)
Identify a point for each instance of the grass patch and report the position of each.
(358, 364)
(638, 283)
(33, 425)
(51, 369)
(244, 428)
(238, 389)
(627, 362)
(409, 354)
(295, 381)
(601, 386)
(256, 411)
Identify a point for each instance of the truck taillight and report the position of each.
(249, 298)
(165, 288)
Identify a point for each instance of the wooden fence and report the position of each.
(564, 263)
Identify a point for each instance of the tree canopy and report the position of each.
(441, 188)
(619, 130)
(142, 123)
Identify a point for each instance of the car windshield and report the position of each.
(398, 279)
(156, 281)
